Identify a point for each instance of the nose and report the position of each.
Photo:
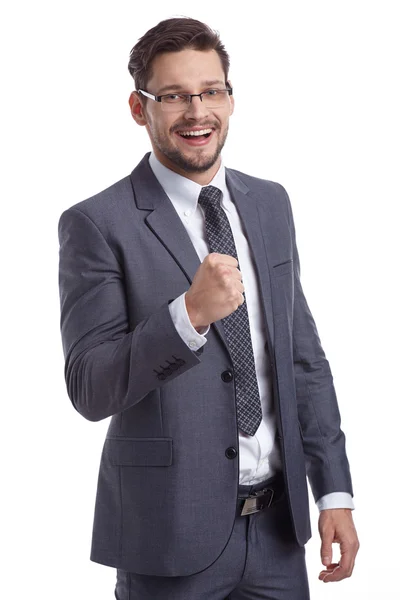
(196, 109)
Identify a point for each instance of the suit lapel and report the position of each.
(253, 213)
(166, 224)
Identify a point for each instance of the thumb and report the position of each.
(326, 548)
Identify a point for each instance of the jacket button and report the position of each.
(227, 376)
(231, 452)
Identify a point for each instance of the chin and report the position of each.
(190, 163)
(199, 167)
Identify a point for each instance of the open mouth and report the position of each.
(191, 135)
(196, 138)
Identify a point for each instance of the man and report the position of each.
(183, 318)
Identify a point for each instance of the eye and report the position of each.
(211, 92)
(172, 97)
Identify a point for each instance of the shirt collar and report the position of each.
(183, 191)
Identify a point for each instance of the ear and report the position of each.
(231, 99)
(136, 106)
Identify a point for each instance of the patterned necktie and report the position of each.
(236, 325)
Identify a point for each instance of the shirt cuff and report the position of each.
(184, 327)
(335, 500)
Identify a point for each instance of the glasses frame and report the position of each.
(188, 97)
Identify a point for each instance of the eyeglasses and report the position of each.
(179, 102)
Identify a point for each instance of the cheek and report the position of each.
(226, 114)
(225, 121)
(158, 124)
(163, 127)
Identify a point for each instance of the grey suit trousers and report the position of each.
(262, 561)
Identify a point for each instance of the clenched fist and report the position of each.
(216, 290)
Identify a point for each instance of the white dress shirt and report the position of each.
(259, 455)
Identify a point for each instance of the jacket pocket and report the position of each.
(283, 268)
(138, 452)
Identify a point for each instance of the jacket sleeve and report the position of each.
(109, 365)
(318, 412)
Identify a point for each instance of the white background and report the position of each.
(317, 109)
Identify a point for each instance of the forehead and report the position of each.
(186, 68)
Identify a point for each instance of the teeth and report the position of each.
(195, 133)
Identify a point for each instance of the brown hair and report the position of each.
(173, 35)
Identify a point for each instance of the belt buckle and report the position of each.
(257, 501)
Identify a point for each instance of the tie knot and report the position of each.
(210, 195)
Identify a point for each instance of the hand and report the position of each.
(336, 525)
(216, 290)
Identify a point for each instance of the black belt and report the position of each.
(269, 495)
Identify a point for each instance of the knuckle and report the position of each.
(225, 279)
(355, 545)
(221, 269)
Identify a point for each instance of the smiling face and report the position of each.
(191, 72)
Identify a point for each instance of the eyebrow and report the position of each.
(177, 87)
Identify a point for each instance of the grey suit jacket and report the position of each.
(124, 256)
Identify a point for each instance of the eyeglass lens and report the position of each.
(180, 102)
